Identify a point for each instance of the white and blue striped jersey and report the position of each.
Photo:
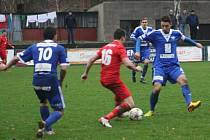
(165, 45)
(138, 31)
(46, 56)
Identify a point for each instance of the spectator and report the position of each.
(193, 22)
(70, 24)
(173, 19)
(182, 21)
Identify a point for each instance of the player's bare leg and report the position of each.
(126, 105)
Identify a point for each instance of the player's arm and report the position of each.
(64, 63)
(133, 35)
(192, 42)
(88, 66)
(130, 65)
(63, 71)
(12, 62)
(2, 66)
(137, 48)
(24, 56)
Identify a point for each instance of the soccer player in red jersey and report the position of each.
(112, 55)
(3, 46)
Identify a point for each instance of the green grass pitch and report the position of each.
(87, 101)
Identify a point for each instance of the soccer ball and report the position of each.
(136, 114)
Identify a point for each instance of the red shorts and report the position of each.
(119, 89)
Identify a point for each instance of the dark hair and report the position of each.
(144, 18)
(49, 33)
(166, 19)
(119, 33)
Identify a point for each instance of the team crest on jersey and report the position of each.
(173, 37)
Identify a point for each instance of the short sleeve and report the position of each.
(99, 52)
(148, 36)
(63, 56)
(122, 52)
(181, 35)
(26, 55)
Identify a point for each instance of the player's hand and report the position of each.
(12, 46)
(84, 76)
(199, 45)
(139, 68)
(2, 67)
(137, 56)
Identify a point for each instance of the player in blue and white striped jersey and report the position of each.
(46, 56)
(145, 49)
(166, 65)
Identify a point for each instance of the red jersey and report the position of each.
(3, 43)
(111, 56)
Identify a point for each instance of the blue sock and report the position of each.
(144, 70)
(187, 94)
(44, 111)
(56, 115)
(153, 100)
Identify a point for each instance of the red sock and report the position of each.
(118, 110)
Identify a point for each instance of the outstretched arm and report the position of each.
(63, 72)
(190, 41)
(14, 60)
(138, 48)
(130, 65)
(88, 66)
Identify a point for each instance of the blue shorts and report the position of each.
(48, 87)
(171, 74)
(144, 54)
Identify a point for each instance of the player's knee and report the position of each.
(62, 112)
(146, 62)
(130, 102)
(157, 88)
(183, 80)
(43, 103)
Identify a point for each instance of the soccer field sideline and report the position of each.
(87, 101)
